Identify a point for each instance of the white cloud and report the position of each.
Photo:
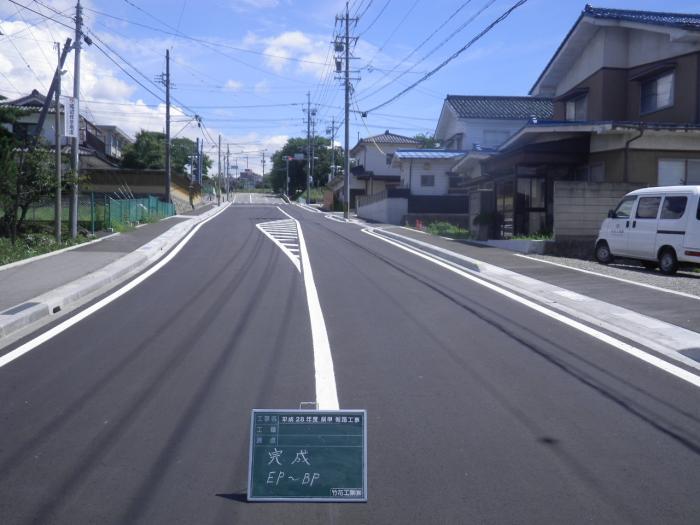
(309, 51)
(262, 87)
(233, 85)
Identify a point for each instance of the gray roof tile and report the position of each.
(680, 20)
(489, 107)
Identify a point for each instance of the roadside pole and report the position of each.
(167, 125)
(57, 141)
(308, 146)
(346, 208)
(75, 143)
(218, 179)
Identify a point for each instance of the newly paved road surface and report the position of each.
(480, 410)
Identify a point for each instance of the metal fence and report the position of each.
(98, 211)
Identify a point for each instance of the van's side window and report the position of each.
(624, 209)
(674, 207)
(648, 207)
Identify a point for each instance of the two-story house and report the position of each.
(92, 146)
(626, 91)
(115, 140)
(371, 158)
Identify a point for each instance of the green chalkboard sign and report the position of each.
(308, 455)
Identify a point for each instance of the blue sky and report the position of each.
(245, 66)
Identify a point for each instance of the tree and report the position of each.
(148, 152)
(26, 175)
(298, 169)
(427, 141)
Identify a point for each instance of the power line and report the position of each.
(401, 22)
(488, 4)
(42, 14)
(454, 55)
(180, 34)
(419, 46)
(381, 12)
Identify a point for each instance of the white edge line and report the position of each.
(55, 252)
(591, 272)
(326, 390)
(65, 325)
(616, 343)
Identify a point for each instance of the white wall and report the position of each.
(473, 129)
(420, 167)
(374, 160)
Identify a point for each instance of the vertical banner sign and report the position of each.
(308, 455)
(71, 117)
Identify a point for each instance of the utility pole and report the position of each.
(167, 125)
(332, 131)
(228, 173)
(58, 145)
(218, 179)
(200, 162)
(346, 210)
(75, 143)
(286, 186)
(263, 164)
(313, 145)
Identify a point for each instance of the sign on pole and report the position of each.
(308, 455)
(71, 116)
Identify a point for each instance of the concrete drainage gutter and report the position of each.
(20, 316)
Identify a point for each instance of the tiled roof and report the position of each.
(428, 154)
(512, 108)
(680, 20)
(389, 138)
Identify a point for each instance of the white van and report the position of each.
(658, 226)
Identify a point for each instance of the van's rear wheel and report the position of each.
(668, 263)
(602, 253)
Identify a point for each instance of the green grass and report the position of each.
(447, 229)
(315, 195)
(533, 237)
(32, 244)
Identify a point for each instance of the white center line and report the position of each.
(326, 390)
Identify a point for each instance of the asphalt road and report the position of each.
(480, 410)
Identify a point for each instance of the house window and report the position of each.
(427, 180)
(576, 109)
(676, 172)
(389, 158)
(657, 93)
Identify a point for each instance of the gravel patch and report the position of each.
(684, 281)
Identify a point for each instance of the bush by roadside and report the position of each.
(31, 245)
(447, 229)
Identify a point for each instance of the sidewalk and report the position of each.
(664, 321)
(44, 285)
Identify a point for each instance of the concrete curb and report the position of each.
(53, 302)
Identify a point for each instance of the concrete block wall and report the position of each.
(581, 207)
(388, 211)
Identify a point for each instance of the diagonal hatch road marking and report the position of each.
(285, 235)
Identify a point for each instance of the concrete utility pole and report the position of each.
(346, 210)
(313, 145)
(286, 190)
(332, 173)
(200, 161)
(218, 179)
(308, 146)
(263, 163)
(57, 136)
(228, 173)
(75, 143)
(167, 125)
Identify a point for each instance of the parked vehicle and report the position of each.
(658, 226)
